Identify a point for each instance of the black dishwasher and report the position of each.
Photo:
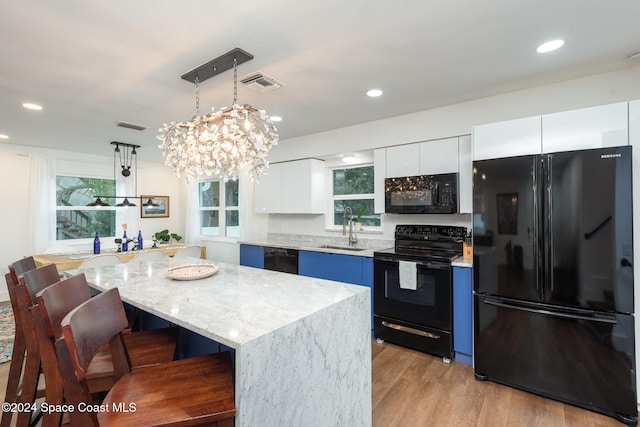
(281, 259)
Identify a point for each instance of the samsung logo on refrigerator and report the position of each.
(610, 156)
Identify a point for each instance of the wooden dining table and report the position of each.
(72, 260)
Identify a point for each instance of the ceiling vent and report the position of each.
(130, 126)
(260, 82)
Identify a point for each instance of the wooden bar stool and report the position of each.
(20, 267)
(147, 348)
(24, 368)
(194, 391)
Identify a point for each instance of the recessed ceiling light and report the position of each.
(349, 158)
(550, 46)
(3, 136)
(31, 106)
(276, 118)
(374, 93)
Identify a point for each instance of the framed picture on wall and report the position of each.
(507, 213)
(154, 206)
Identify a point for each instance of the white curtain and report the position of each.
(42, 202)
(252, 226)
(192, 215)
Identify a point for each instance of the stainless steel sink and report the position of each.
(342, 248)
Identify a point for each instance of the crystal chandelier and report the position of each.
(221, 143)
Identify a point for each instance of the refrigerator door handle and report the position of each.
(536, 230)
(596, 317)
(550, 233)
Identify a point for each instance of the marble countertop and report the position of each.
(234, 306)
(462, 262)
(337, 245)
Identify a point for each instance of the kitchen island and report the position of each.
(302, 345)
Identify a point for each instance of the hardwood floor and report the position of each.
(411, 388)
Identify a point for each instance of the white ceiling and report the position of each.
(92, 64)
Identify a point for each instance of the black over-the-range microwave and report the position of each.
(422, 194)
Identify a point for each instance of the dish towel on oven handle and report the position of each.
(408, 275)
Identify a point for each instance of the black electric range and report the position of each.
(413, 293)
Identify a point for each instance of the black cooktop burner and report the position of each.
(426, 243)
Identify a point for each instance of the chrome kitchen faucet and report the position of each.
(352, 237)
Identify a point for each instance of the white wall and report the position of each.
(14, 192)
(459, 119)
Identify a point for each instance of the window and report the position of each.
(353, 187)
(75, 220)
(219, 208)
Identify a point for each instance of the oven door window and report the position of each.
(429, 304)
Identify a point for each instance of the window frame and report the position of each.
(222, 210)
(332, 198)
(88, 239)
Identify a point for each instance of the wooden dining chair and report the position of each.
(148, 256)
(101, 260)
(24, 368)
(187, 392)
(188, 251)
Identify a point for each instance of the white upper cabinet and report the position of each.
(379, 174)
(403, 160)
(267, 191)
(303, 187)
(465, 175)
(511, 138)
(292, 187)
(595, 127)
(439, 156)
(424, 158)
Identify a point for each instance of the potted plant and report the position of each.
(164, 237)
(356, 220)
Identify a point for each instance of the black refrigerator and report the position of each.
(553, 277)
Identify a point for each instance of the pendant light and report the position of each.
(126, 156)
(222, 142)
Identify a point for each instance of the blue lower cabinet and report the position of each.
(357, 270)
(341, 268)
(192, 344)
(252, 256)
(148, 321)
(462, 314)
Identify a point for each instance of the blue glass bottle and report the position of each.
(125, 244)
(139, 240)
(96, 244)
